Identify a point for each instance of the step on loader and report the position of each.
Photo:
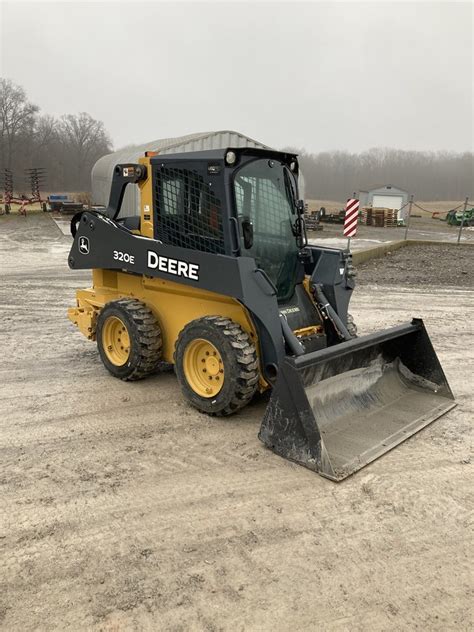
(216, 277)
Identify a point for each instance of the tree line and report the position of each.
(66, 147)
(335, 175)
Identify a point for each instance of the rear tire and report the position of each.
(128, 339)
(216, 355)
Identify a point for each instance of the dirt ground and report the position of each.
(415, 266)
(124, 509)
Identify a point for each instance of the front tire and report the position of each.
(351, 325)
(216, 365)
(128, 339)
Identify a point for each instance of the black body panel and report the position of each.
(99, 238)
(301, 312)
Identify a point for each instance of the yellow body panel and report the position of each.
(146, 201)
(84, 316)
(174, 305)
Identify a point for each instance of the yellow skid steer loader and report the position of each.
(216, 277)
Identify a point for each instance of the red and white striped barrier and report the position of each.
(350, 220)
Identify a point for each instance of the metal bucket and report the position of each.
(338, 409)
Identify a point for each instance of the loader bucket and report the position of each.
(337, 409)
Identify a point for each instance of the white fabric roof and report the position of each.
(103, 169)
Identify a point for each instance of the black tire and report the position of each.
(144, 334)
(351, 325)
(240, 364)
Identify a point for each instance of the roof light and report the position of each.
(230, 158)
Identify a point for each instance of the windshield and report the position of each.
(264, 195)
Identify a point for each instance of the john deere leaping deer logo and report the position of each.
(84, 245)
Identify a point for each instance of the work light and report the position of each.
(230, 158)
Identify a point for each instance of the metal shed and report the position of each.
(103, 169)
(386, 196)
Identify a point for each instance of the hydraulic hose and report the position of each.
(330, 313)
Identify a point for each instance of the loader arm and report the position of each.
(124, 174)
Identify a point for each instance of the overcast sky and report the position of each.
(325, 75)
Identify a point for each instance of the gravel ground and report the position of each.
(124, 509)
(416, 266)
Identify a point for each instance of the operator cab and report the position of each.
(237, 202)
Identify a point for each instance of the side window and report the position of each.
(262, 201)
(189, 214)
(240, 198)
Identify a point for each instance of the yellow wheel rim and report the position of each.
(203, 368)
(115, 341)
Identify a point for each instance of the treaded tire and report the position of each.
(145, 339)
(351, 325)
(239, 357)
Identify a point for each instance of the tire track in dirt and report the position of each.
(126, 509)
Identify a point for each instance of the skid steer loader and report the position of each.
(216, 277)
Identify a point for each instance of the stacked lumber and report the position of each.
(378, 217)
(384, 217)
(366, 216)
(391, 218)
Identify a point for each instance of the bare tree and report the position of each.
(45, 132)
(17, 116)
(69, 147)
(334, 175)
(87, 140)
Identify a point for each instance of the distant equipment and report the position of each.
(61, 203)
(57, 200)
(333, 218)
(455, 217)
(312, 219)
(37, 180)
(36, 177)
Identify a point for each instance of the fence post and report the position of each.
(408, 218)
(462, 221)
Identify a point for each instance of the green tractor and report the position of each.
(454, 217)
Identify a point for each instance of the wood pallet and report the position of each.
(366, 216)
(379, 217)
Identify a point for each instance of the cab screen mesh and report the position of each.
(189, 214)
